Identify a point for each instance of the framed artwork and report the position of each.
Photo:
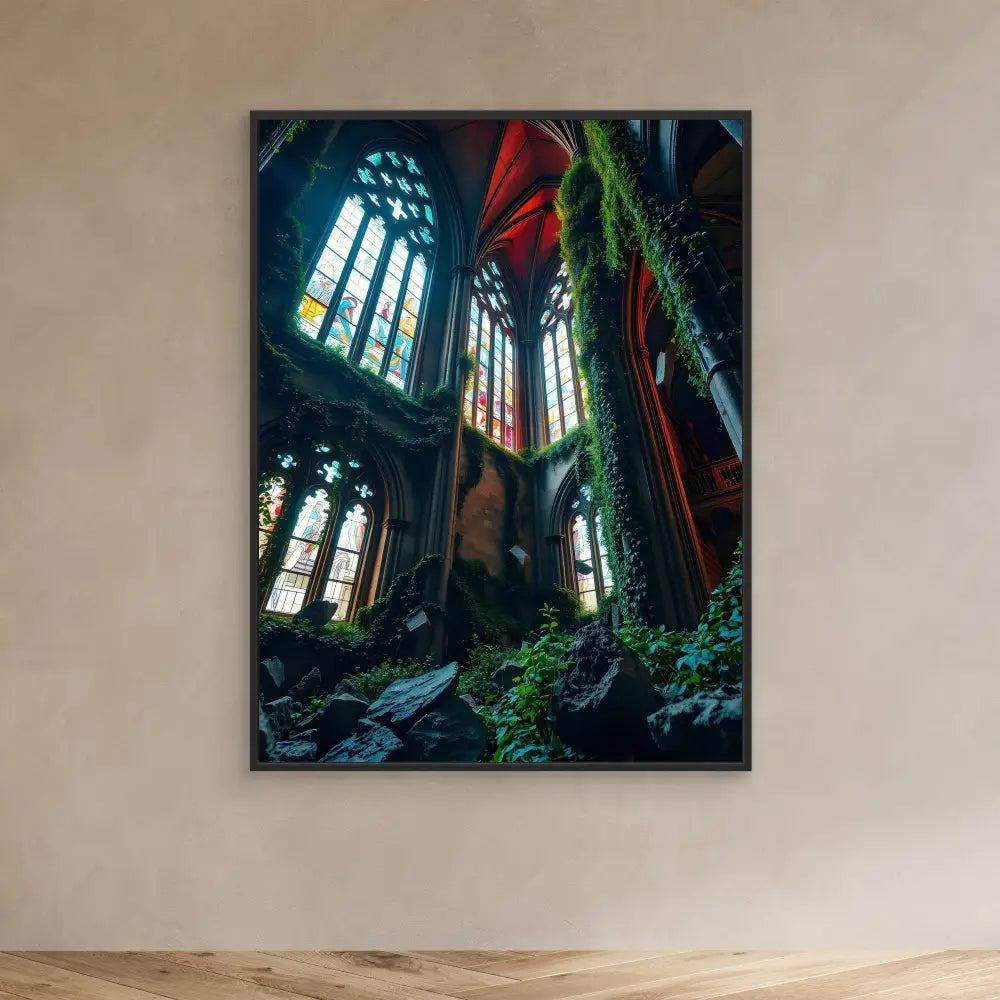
(500, 440)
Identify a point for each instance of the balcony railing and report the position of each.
(717, 479)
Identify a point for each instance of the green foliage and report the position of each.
(633, 218)
(521, 716)
(482, 609)
(609, 436)
(371, 683)
(474, 449)
(383, 621)
(336, 642)
(476, 677)
(705, 657)
(566, 446)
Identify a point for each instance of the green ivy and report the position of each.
(523, 729)
(705, 657)
(372, 682)
(631, 217)
(609, 435)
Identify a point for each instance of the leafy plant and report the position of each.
(371, 683)
(476, 678)
(705, 657)
(523, 729)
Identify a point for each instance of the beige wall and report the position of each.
(128, 817)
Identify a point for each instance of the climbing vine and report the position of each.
(610, 433)
(670, 243)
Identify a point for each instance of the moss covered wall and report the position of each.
(496, 510)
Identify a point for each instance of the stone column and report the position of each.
(528, 377)
(560, 560)
(713, 330)
(392, 535)
(441, 505)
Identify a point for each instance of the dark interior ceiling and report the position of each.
(507, 173)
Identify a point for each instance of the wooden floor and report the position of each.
(499, 975)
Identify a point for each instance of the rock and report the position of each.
(706, 726)
(272, 678)
(294, 751)
(451, 731)
(279, 714)
(347, 686)
(503, 676)
(404, 701)
(470, 701)
(371, 744)
(336, 720)
(265, 734)
(307, 687)
(600, 704)
(316, 613)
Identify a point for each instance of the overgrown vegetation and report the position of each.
(521, 717)
(707, 656)
(671, 243)
(609, 437)
(371, 683)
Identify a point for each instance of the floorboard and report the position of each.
(500, 975)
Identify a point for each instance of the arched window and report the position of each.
(374, 266)
(325, 557)
(489, 396)
(591, 569)
(269, 501)
(564, 386)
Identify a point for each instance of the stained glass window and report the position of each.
(299, 561)
(346, 562)
(269, 507)
(591, 568)
(372, 270)
(565, 400)
(490, 393)
(325, 555)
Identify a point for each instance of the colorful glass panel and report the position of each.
(563, 387)
(364, 263)
(288, 593)
(489, 398)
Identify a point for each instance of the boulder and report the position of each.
(279, 714)
(451, 731)
(272, 678)
(404, 701)
(703, 727)
(316, 613)
(307, 687)
(372, 744)
(470, 701)
(347, 686)
(336, 720)
(294, 752)
(503, 676)
(265, 734)
(601, 702)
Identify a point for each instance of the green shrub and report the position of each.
(371, 683)
(337, 642)
(475, 677)
(705, 657)
(521, 716)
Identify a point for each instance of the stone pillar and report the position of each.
(392, 535)
(441, 505)
(530, 389)
(559, 556)
(713, 329)
(456, 325)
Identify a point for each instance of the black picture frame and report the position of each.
(745, 116)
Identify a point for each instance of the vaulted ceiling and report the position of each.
(507, 173)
